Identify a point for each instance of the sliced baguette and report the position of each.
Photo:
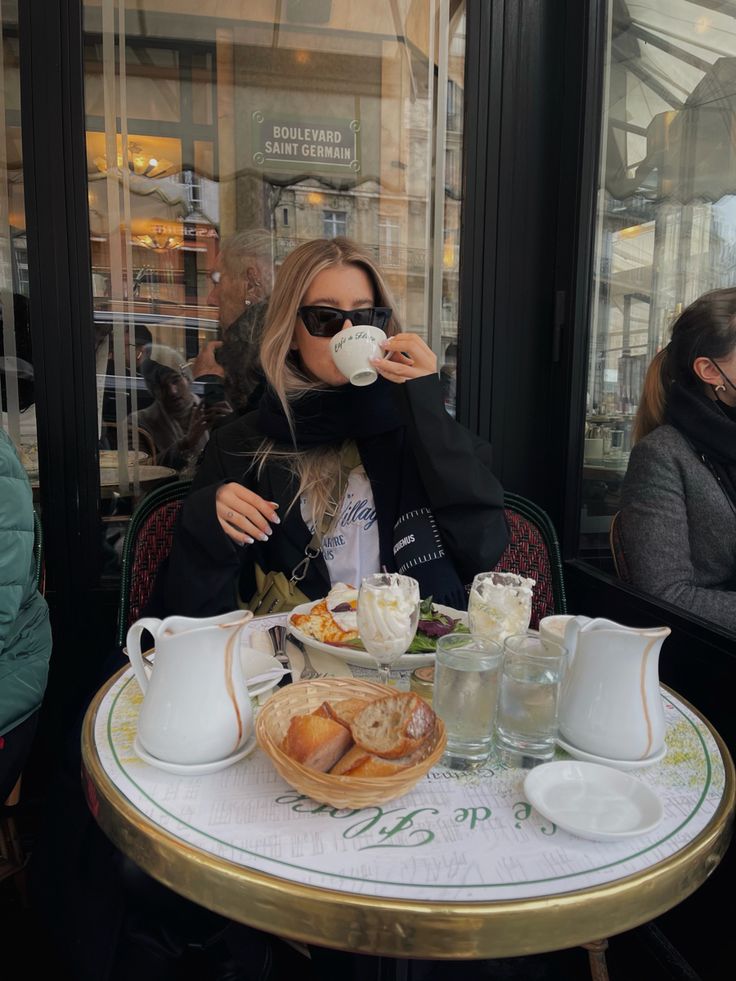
(316, 742)
(343, 711)
(357, 762)
(393, 726)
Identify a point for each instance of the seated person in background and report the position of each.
(678, 521)
(178, 421)
(132, 376)
(382, 471)
(25, 634)
(244, 383)
(227, 369)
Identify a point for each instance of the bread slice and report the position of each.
(357, 762)
(343, 711)
(316, 742)
(393, 726)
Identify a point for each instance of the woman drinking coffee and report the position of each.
(328, 481)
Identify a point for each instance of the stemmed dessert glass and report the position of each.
(388, 613)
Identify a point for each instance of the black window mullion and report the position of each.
(59, 270)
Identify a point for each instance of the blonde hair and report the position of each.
(317, 469)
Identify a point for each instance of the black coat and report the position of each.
(206, 569)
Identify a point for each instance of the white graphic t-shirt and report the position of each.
(350, 548)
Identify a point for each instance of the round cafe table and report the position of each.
(461, 867)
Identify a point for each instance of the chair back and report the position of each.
(534, 550)
(147, 543)
(617, 548)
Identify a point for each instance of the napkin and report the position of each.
(257, 661)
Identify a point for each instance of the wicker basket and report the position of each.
(326, 788)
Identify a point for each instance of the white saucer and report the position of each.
(593, 801)
(580, 754)
(194, 769)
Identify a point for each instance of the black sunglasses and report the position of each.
(328, 321)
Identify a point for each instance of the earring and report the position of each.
(720, 388)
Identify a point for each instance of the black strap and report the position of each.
(349, 460)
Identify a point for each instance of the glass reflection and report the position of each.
(218, 149)
(17, 381)
(666, 218)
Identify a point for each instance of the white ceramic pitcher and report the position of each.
(610, 703)
(196, 707)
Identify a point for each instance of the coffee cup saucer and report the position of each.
(580, 754)
(194, 769)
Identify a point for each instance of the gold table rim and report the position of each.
(400, 927)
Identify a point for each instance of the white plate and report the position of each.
(194, 769)
(580, 754)
(406, 662)
(593, 801)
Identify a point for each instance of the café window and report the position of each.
(334, 223)
(389, 234)
(17, 376)
(257, 129)
(665, 221)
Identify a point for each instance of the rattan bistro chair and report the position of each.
(147, 543)
(616, 544)
(534, 550)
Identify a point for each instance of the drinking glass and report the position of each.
(467, 668)
(500, 604)
(526, 718)
(388, 613)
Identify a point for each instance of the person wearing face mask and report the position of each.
(678, 519)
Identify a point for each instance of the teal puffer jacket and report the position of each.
(25, 633)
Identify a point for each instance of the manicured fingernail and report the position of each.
(273, 504)
(276, 519)
(248, 540)
(263, 538)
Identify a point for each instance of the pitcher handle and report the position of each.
(133, 643)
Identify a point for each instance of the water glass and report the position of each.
(388, 614)
(467, 668)
(526, 718)
(500, 604)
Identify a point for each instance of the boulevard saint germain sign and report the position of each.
(305, 144)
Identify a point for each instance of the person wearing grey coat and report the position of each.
(678, 519)
(678, 528)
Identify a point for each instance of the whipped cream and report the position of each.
(387, 619)
(500, 605)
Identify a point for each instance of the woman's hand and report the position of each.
(243, 515)
(410, 358)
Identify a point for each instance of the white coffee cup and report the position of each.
(352, 350)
